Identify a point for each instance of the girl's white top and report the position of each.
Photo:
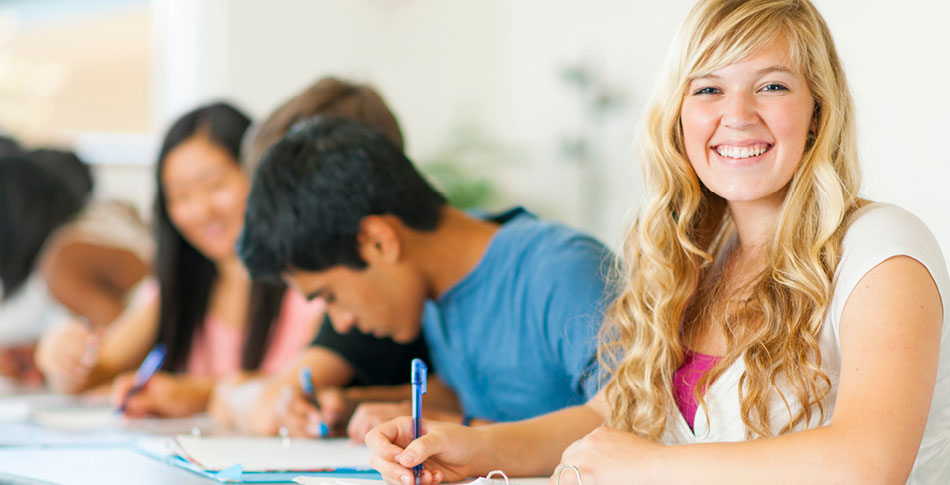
(877, 232)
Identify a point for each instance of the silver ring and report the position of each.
(561, 468)
(493, 472)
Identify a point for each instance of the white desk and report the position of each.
(90, 465)
(34, 455)
(31, 454)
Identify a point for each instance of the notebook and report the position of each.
(258, 454)
(86, 414)
(74, 414)
(256, 459)
(479, 481)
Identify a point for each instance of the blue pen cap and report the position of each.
(419, 373)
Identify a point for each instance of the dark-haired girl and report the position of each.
(213, 319)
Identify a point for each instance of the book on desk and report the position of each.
(241, 459)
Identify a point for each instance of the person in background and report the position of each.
(774, 326)
(509, 305)
(213, 319)
(92, 264)
(347, 368)
(63, 255)
(9, 146)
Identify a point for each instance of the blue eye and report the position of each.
(708, 90)
(774, 87)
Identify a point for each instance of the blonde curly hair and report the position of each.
(682, 228)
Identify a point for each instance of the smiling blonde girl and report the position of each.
(773, 325)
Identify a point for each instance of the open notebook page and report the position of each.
(355, 481)
(273, 454)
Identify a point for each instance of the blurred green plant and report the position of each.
(598, 99)
(458, 168)
(460, 188)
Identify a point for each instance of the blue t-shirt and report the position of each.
(516, 337)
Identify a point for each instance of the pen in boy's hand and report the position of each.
(145, 372)
(306, 383)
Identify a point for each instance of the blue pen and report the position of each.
(306, 383)
(418, 389)
(145, 372)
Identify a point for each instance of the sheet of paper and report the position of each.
(274, 454)
(84, 414)
(90, 465)
(72, 414)
(77, 419)
(355, 481)
(335, 481)
(14, 409)
(31, 435)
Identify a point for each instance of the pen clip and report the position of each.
(419, 374)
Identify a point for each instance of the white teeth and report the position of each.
(741, 152)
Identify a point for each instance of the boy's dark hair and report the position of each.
(185, 275)
(34, 202)
(314, 187)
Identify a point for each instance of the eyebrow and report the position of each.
(761, 72)
(776, 68)
(319, 292)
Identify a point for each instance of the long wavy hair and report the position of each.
(682, 228)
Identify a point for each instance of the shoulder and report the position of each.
(878, 232)
(111, 224)
(552, 246)
(886, 224)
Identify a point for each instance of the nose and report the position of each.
(342, 320)
(195, 209)
(739, 111)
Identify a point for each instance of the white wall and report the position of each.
(897, 60)
(496, 64)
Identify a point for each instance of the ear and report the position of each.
(378, 240)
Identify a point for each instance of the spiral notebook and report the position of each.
(478, 481)
(236, 459)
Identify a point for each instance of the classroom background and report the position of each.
(530, 102)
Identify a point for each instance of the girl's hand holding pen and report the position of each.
(368, 415)
(164, 395)
(449, 452)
